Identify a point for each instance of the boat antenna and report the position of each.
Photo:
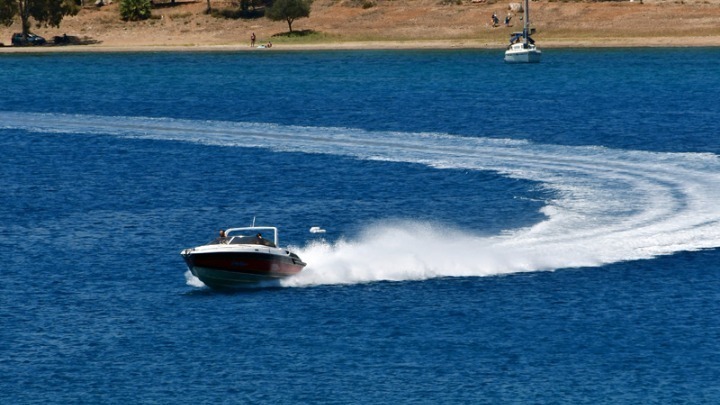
(253, 221)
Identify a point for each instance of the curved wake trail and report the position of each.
(611, 205)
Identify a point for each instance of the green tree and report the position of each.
(135, 10)
(44, 12)
(8, 10)
(288, 10)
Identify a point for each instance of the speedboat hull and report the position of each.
(237, 269)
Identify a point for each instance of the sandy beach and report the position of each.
(402, 24)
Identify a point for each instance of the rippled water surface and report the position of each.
(495, 233)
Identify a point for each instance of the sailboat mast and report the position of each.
(526, 21)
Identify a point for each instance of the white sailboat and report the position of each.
(522, 47)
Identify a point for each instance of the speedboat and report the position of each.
(522, 47)
(242, 257)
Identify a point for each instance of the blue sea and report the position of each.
(494, 233)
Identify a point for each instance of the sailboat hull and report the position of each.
(523, 56)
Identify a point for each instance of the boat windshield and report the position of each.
(251, 240)
(243, 240)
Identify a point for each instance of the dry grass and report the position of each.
(403, 23)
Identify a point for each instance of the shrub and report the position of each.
(237, 13)
(135, 10)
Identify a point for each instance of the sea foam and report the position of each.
(610, 205)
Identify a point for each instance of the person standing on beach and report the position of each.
(252, 39)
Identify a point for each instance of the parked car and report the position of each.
(18, 39)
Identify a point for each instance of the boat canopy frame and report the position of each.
(253, 230)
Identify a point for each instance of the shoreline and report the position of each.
(594, 43)
(388, 25)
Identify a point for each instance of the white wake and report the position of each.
(612, 205)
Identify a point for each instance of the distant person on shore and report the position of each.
(495, 20)
(252, 39)
(507, 20)
(269, 45)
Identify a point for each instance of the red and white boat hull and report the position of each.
(228, 269)
(241, 256)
